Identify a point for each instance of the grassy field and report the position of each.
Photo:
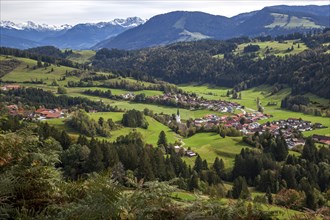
(211, 145)
(150, 135)
(271, 48)
(275, 48)
(22, 73)
(288, 22)
(82, 56)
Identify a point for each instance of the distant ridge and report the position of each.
(188, 26)
(80, 36)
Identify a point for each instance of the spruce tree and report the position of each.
(218, 166)
(193, 182)
(240, 188)
(65, 140)
(145, 170)
(95, 160)
(198, 167)
(310, 151)
(162, 140)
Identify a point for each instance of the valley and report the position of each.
(226, 127)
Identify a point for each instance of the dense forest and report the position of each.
(194, 62)
(38, 97)
(48, 54)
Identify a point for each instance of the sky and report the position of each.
(57, 12)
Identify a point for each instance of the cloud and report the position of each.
(72, 12)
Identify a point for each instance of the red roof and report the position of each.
(11, 87)
(40, 110)
(53, 115)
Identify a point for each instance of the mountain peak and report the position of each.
(30, 25)
(129, 22)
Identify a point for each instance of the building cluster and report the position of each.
(184, 151)
(10, 87)
(198, 102)
(243, 122)
(39, 114)
(43, 113)
(321, 139)
(248, 124)
(128, 96)
(288, 127)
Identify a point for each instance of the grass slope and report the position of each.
(211, 145)
(22, 73)
(150, 135)
(289, 22)
(82, 56)
(275, 48)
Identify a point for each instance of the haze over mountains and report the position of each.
(135, 33)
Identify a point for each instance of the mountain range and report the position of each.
(188, 26)
(135, 33)
(80, 36)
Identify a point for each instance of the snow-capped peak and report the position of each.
(29, 25)
(32, 26)
(126, 23)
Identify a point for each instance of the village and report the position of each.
(248, 125)
(189, 101)
(245, 122)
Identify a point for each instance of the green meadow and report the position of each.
(288, 22)
(211, 145)
(25, 72)
(82, 56)
(275, 48)
(150, 135)
(271, 48)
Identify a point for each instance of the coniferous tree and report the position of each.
(95, 160)
(240, 188)
(288, 174)
(310, 151)
(218, 166)
(193, 182)
(145, 170)
(65, 140)
(198, 167)
(162, 140)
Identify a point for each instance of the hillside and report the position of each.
(196, 62)
(186, 182)
(190, 26)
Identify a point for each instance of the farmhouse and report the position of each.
(10, 87)
(321, 139)
(43, 113)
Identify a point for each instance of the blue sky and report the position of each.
(72, 12)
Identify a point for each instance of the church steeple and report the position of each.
(177, 117)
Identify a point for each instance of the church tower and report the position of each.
(177, 117)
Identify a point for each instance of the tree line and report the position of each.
(38, 97)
